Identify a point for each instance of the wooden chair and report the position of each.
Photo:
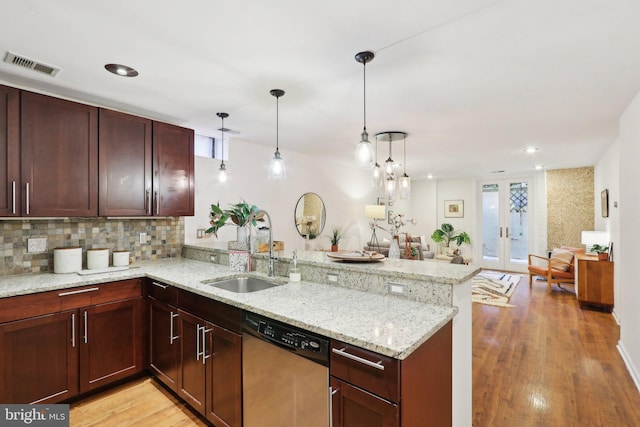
(551, 268)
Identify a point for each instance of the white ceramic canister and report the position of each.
(97, 258)
(67, 260)
(120, 258)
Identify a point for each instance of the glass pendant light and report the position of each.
(276, 167)
(222, 171)
(364, 150)
(405, 181)
(376, 177)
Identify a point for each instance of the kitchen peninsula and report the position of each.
(372, 320)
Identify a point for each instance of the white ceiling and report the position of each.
(473, 82)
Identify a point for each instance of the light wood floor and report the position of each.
(546, 362)
(139, 403)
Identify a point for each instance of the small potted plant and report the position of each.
(446, 234)
(335, 236)
(241, 214)
(602, 251)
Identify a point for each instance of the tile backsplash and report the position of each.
(165, 239)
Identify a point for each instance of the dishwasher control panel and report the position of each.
(298, 340)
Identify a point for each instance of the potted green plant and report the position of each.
(602, 251)
(447, 234)
(241, 214)
(335, 236)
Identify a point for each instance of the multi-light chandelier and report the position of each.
(387, 176)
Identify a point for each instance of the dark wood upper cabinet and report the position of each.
(59, 142)
(125, 164)
(9, 151)
(173, 172)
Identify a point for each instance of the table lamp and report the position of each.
(375, 212)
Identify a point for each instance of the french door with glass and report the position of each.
(505, 224)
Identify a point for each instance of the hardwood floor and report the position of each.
(546, 362)
(139, 403)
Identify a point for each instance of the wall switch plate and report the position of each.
(397, 288)
(332, 278)
(200, 233)
(37, 244)
(143, 238)
(213, 258)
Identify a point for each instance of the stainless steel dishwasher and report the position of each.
(285, 375)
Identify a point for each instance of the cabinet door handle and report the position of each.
(197, 342)
(85, 328)
(147, 201)
(160, 285)
(27, 198)
(205, 356)
(81, 291)
(73, 330)
(500, 232)
(13, 197)
(332, 393)
(171, 337)
(342, 352)
(507, 232)
(155, 194)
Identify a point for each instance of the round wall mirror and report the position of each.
(310, 215)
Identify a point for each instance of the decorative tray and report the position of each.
(356, 256)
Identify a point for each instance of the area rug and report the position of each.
(494, 288)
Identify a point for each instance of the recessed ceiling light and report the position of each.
(121, 70)
(538, 167)
(430, 176)
(498, 171)
(531, 150)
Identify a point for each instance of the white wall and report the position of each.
(424, 208)
(344, 189)
(459, 189)
(606, 175)
(626, 252)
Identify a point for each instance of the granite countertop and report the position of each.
(431, 270)
(388, 325)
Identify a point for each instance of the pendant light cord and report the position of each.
(404, 153)
(364, 75)
(277, 123)
(222, 140)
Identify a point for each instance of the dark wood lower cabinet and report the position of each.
(111, 343)
(354, 407)
(95, 340)
(39, 359)
(192, 368)
(224, 378)
(164, 342)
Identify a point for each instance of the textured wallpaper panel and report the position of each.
(570, 202)
(166, 237)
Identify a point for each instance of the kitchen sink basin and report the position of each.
(243, 285)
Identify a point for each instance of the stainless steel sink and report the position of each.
(243, 285)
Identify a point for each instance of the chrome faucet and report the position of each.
(272, 257)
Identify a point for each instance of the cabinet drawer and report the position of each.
(216, 312)
(371, 371)
(25, 306)
(163, 292)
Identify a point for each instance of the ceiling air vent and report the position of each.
(21, 61)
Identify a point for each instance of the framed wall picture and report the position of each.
(390, 216)
(454, 208)
(604, 201)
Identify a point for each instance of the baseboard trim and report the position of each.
(630, 366)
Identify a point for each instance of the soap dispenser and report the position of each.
(294, 272)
